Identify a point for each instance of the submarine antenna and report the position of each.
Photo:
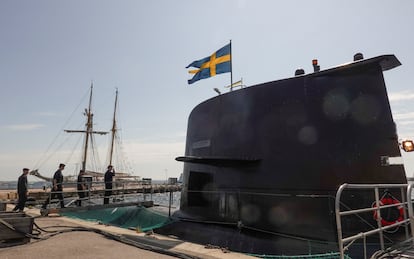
(231, 69)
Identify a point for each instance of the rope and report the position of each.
(95, 155)
(74, 148)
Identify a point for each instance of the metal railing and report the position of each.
(345, 242)
(95, 190)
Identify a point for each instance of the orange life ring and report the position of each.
(389, 201)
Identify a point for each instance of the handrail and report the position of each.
(97, 189)
(410, 208)
(342, 241)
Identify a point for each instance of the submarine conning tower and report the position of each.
(255, 155)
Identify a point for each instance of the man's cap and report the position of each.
(110, 166)
(60, 165)
(26, 169)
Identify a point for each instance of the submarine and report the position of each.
(263, 164)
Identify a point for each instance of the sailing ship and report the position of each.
(264, 165)
(89, 141)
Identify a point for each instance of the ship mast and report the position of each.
(88, 130)
(113, 130)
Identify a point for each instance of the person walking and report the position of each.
(109, 174)
(22, 191)
(57, 188)
(81, 188)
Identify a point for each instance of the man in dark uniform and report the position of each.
(110, 173)
(57, 188)
(22, 190)
(81, 188)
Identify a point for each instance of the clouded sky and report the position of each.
(51, 51)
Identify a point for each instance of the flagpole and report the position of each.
(231, 69)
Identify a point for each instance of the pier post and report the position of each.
(169, 203)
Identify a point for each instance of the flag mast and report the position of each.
(231, 69)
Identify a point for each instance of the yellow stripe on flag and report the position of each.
(195, 71)
(215, 61)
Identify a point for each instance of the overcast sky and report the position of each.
(51, 51)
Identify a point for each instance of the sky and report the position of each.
(51, 51)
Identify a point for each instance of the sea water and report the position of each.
(160, 199)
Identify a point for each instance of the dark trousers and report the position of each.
(54, 195)
(21, 202)
(108, 193)
(81, 195)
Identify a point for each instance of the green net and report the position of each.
(131, 217)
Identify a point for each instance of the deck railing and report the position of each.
(138, 191)
(408, 219)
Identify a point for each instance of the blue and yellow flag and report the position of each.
(219, 62)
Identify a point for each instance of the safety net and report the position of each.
(132, 217)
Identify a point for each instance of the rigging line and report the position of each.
(51, 154)
(38, 164)
(46, 158)
(92, 156)
(95, 156)
(73, 150)
(121, 154)
(121, 160)
(98, 158)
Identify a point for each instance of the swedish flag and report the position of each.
(219, 62)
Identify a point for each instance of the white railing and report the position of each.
(345, 242)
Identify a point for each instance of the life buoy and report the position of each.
(395, 218)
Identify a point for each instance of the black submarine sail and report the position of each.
(262, 164)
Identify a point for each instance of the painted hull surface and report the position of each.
(263, 163)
